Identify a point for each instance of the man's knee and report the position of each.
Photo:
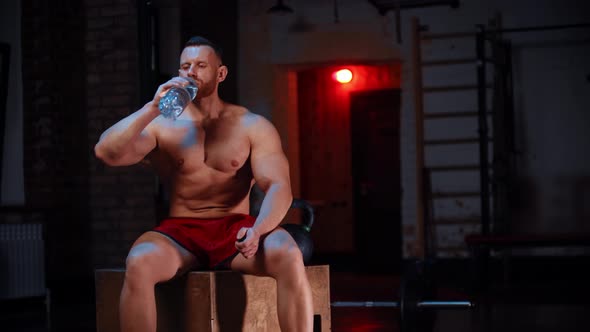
(141, 265)
(283, 256)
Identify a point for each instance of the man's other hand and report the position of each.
(247, 241)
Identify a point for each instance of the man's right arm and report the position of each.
(129, 140)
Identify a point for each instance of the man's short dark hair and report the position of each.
(200, 41)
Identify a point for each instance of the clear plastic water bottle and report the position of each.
(176, 99)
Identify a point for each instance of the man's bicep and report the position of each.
(270, 169)
(269, 163)
(143, 145)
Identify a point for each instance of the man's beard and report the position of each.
(205, 89)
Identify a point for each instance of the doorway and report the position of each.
(349, 168)
(376, 177)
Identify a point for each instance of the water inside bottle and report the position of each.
(192, 88)
(176, 99)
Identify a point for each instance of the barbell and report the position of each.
(416, 308)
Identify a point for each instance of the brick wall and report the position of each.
(122, 198)
(55, 166)
(80, 76)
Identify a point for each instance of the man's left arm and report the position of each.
(271, 173)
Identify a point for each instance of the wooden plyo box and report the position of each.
(220, 301)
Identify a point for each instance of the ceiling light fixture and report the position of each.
(280, 9)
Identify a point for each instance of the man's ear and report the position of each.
(221, 73)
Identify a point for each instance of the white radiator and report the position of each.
(22, 261)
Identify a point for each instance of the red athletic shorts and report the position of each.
(212, 241)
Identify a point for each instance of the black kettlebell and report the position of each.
(300, 232)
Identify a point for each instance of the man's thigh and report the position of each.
(164, 254)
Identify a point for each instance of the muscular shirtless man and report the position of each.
(210, 157)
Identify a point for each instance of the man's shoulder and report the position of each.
(247, 118)
(237, 111)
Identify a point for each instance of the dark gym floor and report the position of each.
(531, 301)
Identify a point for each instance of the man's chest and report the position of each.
(192, 147)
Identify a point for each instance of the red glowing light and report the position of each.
(343, 76)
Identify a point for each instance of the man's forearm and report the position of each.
(274, 207)
(116, 140)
